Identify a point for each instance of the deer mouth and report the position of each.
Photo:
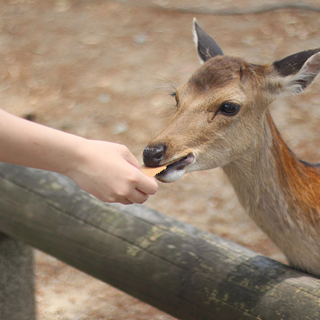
(175, 170)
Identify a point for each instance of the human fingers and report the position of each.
(126, 201)
(128, 156)
(137, 196)
(147, 185)
(116, 199)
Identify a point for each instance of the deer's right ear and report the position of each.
(206, 46)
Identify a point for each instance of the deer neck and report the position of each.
(255, 175)
(279, 192)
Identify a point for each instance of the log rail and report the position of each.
(173, 266)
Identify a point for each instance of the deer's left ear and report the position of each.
(298, 70)
(207, 48)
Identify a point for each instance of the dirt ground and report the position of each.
(104, 70)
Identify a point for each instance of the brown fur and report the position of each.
(300, 181)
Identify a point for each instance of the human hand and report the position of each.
(110, 172)
(107, 170)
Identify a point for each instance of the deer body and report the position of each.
(281, 194)
(222, 120)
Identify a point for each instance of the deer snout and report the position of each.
(153, 155)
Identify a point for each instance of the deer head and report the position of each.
(220, 111)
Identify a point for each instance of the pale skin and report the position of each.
(109, 171)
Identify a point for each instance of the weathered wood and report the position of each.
(17, 291)
(186, 272)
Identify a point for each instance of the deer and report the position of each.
(222, 120)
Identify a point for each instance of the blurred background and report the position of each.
(105, 70)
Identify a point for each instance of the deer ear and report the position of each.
(298, 70)
(206, 46)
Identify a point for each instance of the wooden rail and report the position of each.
(186, 272)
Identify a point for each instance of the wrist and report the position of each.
(76, 155)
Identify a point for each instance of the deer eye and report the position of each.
(229, 108)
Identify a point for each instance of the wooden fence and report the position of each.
(184, 271)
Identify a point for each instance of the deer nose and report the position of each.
(152, 156)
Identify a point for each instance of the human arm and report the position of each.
(107, 170)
